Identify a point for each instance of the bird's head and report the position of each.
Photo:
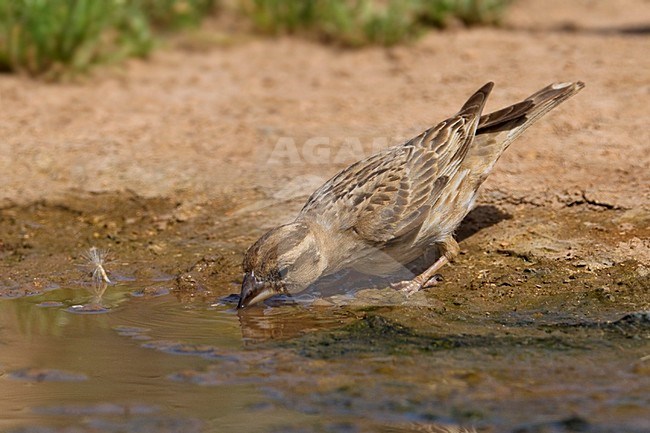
(287, 259)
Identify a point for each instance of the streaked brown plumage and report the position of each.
(386, 210)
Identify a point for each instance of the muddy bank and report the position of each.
(580, 259)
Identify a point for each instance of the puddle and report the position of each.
(110, 372)
(520, 336)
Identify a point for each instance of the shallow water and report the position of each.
(155, 364)
(526, 337)
(90, 370)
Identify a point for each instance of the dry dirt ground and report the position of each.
(192, 153)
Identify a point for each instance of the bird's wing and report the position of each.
(389, 195)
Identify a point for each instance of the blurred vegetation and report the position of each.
(362, 22)
(176, 14)
(55, 36)
(52, 37)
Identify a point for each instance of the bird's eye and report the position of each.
(282, 272)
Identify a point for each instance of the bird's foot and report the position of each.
(409, 287)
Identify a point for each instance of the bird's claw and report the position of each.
(409, 287)
(433, 281)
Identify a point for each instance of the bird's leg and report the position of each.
(449, 249)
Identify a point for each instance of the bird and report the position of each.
(385, 211)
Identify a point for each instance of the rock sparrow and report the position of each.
(386, 210)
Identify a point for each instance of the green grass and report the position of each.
(353, 22)
(362, 22)
(469, 12)
(50, 37)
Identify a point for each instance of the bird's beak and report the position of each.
(253, 291)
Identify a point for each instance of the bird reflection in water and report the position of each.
(285, 321)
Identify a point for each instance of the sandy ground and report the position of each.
(192, 122)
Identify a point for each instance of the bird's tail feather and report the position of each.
(516, 118)
(497, 130)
